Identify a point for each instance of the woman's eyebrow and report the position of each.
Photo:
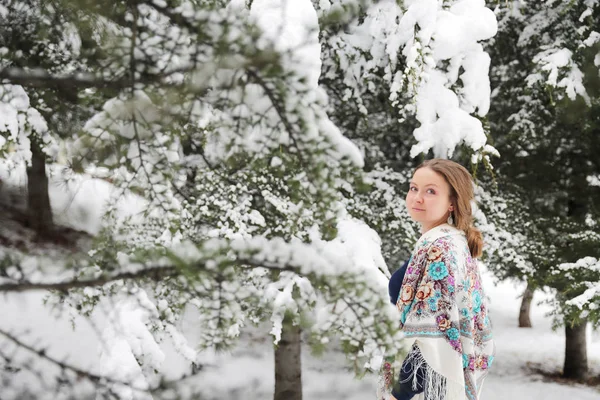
(429, 184)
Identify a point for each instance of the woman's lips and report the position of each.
(418, 209)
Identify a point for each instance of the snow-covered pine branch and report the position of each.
(417, 50)
(583, 277)
(237, 169)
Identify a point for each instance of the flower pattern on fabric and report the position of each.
(407, 293)
(453, 334)
(425, 291)
(477, 362)
(434, 253)
(432, 304)
(466, 284)
(444, 322)
(434, 289)
(438, 270)
(442, 297)
(456, 345)
(476, 302)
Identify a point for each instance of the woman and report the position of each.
(441, 301)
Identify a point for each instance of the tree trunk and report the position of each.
(524, 312)
(39, 213)
(288, 365)
(576, 365)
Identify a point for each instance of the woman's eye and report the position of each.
(412, 189)
(431, 191)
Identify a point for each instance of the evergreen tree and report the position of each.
(545, 125)
(251, 197)
(221, 128)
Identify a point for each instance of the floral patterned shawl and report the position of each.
(443, 310)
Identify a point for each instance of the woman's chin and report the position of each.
(417, 217)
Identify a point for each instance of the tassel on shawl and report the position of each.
(435, 385)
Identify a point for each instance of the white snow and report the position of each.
(19, 120)
(434, 40)
(78, 201)
(294, 28)
(593, 180)
(451, 34)
(248, 370)
(102, 346)
(437, 41)
(552, 61)
(126, 341)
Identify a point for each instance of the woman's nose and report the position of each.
(418, 197)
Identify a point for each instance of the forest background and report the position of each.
(242, 163)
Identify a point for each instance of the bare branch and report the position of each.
(101, 380)
(155, 273)
(41, 78)
(98, 379)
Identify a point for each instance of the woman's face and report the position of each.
(428, 198)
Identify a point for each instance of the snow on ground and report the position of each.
(247, 371)
(518, 349)
(78, 201)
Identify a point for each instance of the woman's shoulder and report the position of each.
(440, 241)
(449, 246)
(441, 233)
(453, 241)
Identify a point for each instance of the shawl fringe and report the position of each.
(435, 385)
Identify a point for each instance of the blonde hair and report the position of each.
(461, 195)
